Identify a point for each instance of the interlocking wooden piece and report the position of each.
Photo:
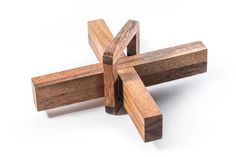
(139, 105)
(125, 38)
(85, 83)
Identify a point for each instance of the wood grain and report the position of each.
(153, 68)
(169, 63)
(67, 87)
(100, 37)
(140, 105)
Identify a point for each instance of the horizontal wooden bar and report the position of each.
(67, 87)
(169, 63)
(153, 68)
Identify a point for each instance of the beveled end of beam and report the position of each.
(153, 128)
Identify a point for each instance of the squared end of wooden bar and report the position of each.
(153, 128)
(34, 94)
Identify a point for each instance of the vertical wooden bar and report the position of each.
(100, 37)
(126, 37)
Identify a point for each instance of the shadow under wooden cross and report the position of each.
(120, 78)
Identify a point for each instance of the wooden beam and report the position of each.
(169, 63)
(100, 37)
(67, 87)
(111, 81)
(153, 68)
(140, 105)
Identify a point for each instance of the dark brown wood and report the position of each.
(133, 47)
(153, 68)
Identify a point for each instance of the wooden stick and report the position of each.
(51, 91)
(111, 81)
(169, 63)
(67, 87)
(140, 106)
(101, 38)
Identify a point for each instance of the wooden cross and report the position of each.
(120, 78)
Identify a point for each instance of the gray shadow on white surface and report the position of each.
(169, 98)
(81, 106)
(86, 105)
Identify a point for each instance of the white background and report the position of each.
(40, 37)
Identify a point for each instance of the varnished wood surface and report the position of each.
(164, 65)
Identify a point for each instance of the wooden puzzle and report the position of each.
(121, 78)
